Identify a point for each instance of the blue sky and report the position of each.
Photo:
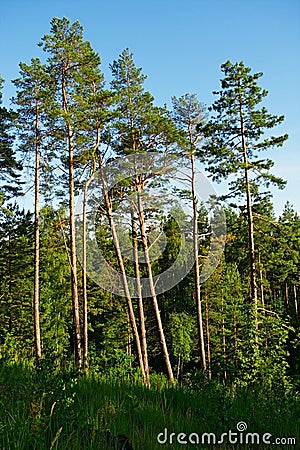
(180, 45)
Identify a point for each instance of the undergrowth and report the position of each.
(42, 409)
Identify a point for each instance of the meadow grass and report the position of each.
(41, 409)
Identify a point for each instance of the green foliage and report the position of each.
(190, 116)
(139, 125)
(182, 328)
(55, 297)
(16, 273)
(43, 410)
(10, 167)
(251, 373)
(35, 91)
(77, 106)
(237, 123)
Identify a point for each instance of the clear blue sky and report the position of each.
(180, 45)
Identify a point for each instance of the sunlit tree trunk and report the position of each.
(84, 280)
(140, 296)
(296, 302)
(109, 213)
(36, 298)
(208, 339)
(197, 271)
(224, 343)
(253, 282)
(287, 300)
(72, 233)
(262, 294)
(161, 333)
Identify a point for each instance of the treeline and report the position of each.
(238, 326)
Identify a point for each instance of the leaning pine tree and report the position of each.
(235, 142)
(141, 127)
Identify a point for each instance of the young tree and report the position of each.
(236, 138)
(284, 258)
(181, 329)
(16, 270)
(55, 295)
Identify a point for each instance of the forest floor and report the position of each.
(43, 410)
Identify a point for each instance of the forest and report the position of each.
(133, 298)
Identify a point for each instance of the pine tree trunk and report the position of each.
(140, 297)
(197, 272)
(84, 281)
(76, 317)
(9, 270)
(287, 300)
(224, 342)
(253, 283)
(178, 367)
(208, 339)
(72, 233)
(296, 303)
(251, 239)
(127, 295)
(128, 346)
(151, 283)
(235, 338)
(36, 295)
(262, 294)
(84, 285)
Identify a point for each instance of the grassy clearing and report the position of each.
(43, 410)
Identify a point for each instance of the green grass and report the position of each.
(43, 410)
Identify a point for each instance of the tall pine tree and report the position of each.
(236, 140)
(73, 64)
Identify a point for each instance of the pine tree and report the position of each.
(73, 64)
(9, 166)
(140, 127)
(33, 91)
(235, 141)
